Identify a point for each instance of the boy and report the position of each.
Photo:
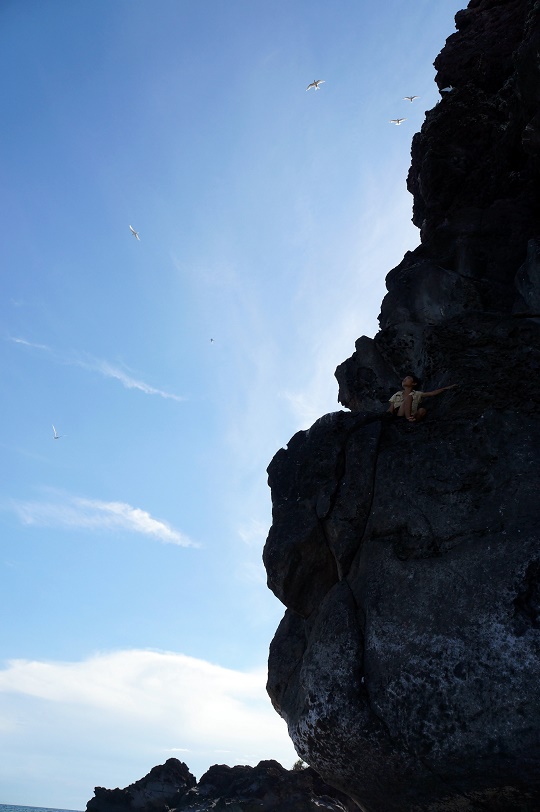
(407, 402)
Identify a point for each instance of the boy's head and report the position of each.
(408, 380)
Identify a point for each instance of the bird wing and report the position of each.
(54, 432)
(320, 81)
(311, 85)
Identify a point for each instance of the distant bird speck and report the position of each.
(448, 89)
(410, 98)
(316, 84)
(56, 436)
(397, 120)
(135, 233)
(211, 341)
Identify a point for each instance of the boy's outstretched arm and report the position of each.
(438, 391)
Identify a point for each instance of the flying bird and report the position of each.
(448, 89)
(316, 84)
(410, 98)
(397, 120)
(56, 436)
(135, 233)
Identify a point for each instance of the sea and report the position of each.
(14, 808)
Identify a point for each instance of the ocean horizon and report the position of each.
(17, 808)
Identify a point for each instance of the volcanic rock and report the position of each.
(161, 789)
(268, 787)
(407, 665)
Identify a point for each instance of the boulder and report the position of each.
(407, 663)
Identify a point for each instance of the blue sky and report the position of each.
(136, 616)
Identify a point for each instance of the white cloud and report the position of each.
(73, 511)
(26, 343)
(107, 369)
(104, 367)
(252, 572)
(189, 697)
(344, 304)
(253, 533)
(306, 406)
(132, 707)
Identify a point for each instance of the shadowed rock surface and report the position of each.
(268, 787)
(162, 788)
(407, 665)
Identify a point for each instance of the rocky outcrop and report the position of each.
(161, 789)
(407, 664)
(268, 787)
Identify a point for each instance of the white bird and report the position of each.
(448, 89)
(135, 233)
(316, 84)
(397, 120)
(410, 98)
(56, 436)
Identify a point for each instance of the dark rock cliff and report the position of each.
(268, 787)
(163, 787)
(407, 664)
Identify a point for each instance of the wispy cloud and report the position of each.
(252, 572)
(108, 370)
(32, 344)
(253, 533)
(103, 367)
(74, 511)
(133, 708)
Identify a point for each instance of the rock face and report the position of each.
(268, 787)
(407, 665)
(162, 788)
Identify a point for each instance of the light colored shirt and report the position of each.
(397, 400)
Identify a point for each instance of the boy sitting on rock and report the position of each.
(406, 403)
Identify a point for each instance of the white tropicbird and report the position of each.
(448, 89)
(410, 98)
(135, 233)
(316, 84)
(397, 120)
(56, 436)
